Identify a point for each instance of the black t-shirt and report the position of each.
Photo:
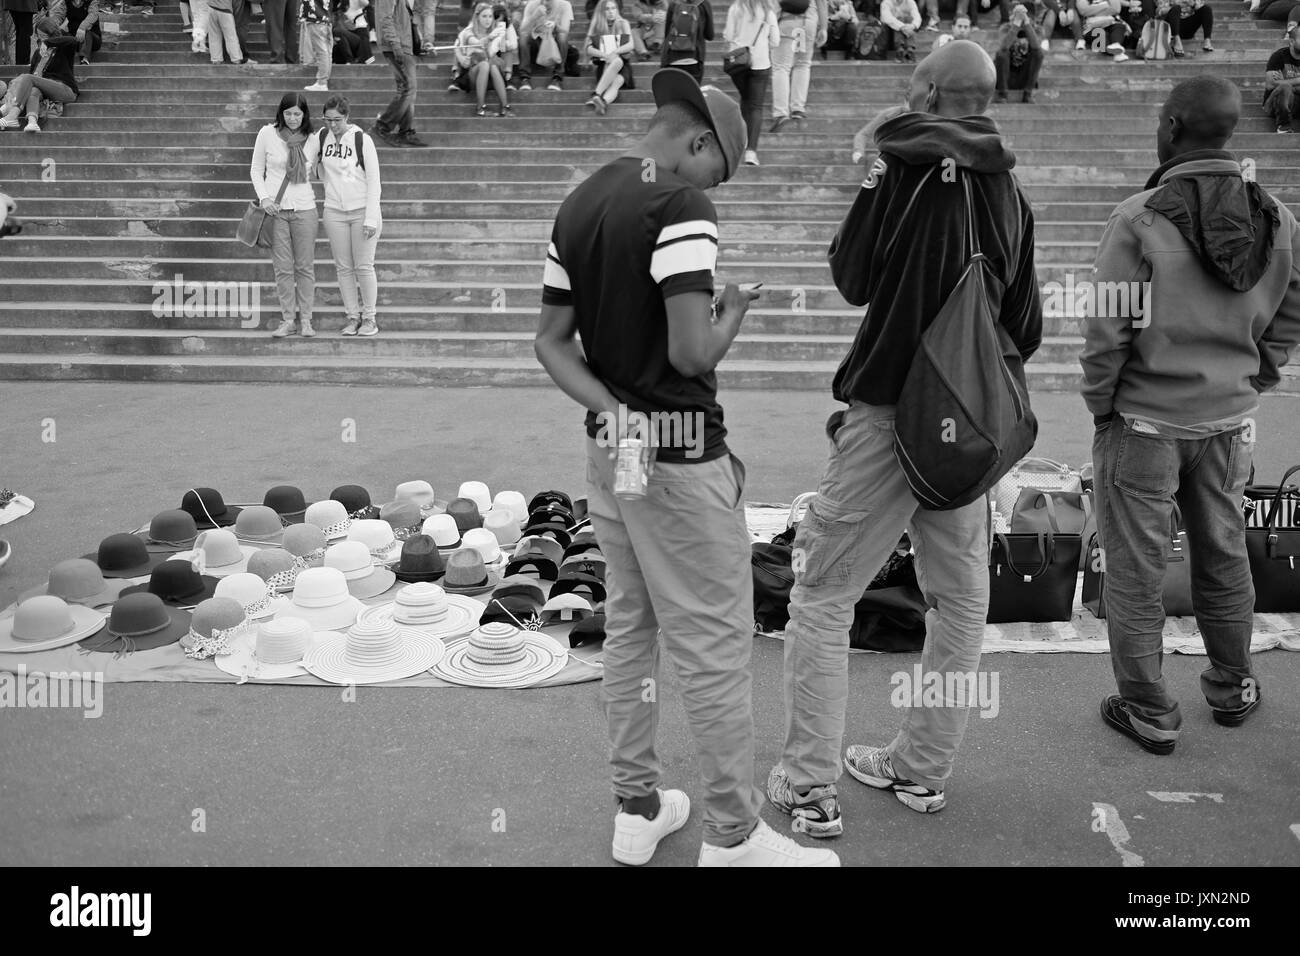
(1284, 62)
(622, 243)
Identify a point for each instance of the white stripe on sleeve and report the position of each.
(694, 227)
(678, 258)
(554, 275)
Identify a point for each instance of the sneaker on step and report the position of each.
(524, 85)
(305, 330)
(1046, 45)
(1280, 129)
(1081, 44)
(751, 157)
(636, 838)
(284, 328)
(765, 847)
(368, 327)
(872, 766)
(409, 139)
(32, 126)
(816, 813)
(556, 86)
(354, 323)
(317, 88)
(1207, 46)
(1120, 58)
(1115, 49)
(932, 25)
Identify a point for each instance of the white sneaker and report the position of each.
(766, 847)
(1119, 58)
(317, 88)
(1046, 45)
(751, 157)
(1115, 49)
(32, 126)
(636, 838)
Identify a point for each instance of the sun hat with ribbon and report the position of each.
(467, 574)
(421, 560)
(253, 594)
(45, 622)
(79, 581)
(566, 607)
(208, 508)
(288, 502)
(428, 608)
(125, 556)
(420, 492)
(504, 527)
(277, 567)
(377, 535)
(365, 578)
(477, 492)
(259, 526)
(374, 652)
(512, 503)
(307, 543)
(404, 517)
(274, 651)
(139, 622)
(217, 552)
(331, 517)
(485, 543)
(465, 513)
(501, 655)
(216, 624)
(178, 584)
(443, 530)
(356, 500)
(171, 531)
(321, 598)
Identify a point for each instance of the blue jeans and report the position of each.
(399, 115)
(1138, 478)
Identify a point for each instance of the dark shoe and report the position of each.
(482, 110)
(1235, 718)
(798, 117)
(779, 123)
(1000, 98)
(380, 131)
(1027, 96)
(409, 139)
(507, 110)
(1115, 713)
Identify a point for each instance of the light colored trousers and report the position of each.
(199, 17)
(862, 507)
(791, 71)
(677, 566)
(293, 254)
(321, 38)
(221, 25)
(354, 260)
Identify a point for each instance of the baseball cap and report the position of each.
(720, 111)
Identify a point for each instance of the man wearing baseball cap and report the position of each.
(1282, 78)
(629, 271)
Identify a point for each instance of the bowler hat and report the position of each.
(356, 500)
(288, 502)
(177, 584)
(125, 556)
(171, 531)
(208, 508)
(421, 560)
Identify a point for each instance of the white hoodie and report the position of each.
(347, 185)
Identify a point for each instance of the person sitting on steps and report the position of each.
(1019, 57)
(51, 76)
(480, 49)
(610, 48)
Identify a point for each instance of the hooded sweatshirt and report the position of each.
(902, 247)
(1218, 262)
(348, 187)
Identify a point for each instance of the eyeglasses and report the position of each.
(336, 119)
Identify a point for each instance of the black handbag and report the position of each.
(1032, 577)
(1274, 552)
(1176, 593)
(738, 60)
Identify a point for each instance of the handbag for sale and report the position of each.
(1055, 511)
(1040, 473)
(252, 230)
(1274, 552)
(1032, 577)
(1259, 497)
(1176, 592)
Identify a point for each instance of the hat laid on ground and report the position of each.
(139, 622)
(504, 527)
(307, 543)
(277, 567)
(420, 492)
(501, 655)
(253, 594)
(79, 581)
(553, 527)
(260, 526)
(365, 578)
(580, 508)
(511, 502)
(288, 502)
(421, 560)
(588, 563)
(519, 610)
(217, 622)
(274, 651)
(372, 653)
(478, 493)
(579, 548)
(321, 598)
(125, 556)
(377, 535)
(45, 622)
(219, 553)
(428, 608)
(178, 584)
(720, 111)
(544, 498)
(404, 517)
(590, 586)
(466, 573)
(171, 531)
(466, 514)
(443, 530)
(485, 543)
(584, 535)
(356, 500)
(588, 631)
(331, 517)
(565, 607)
(536, 555)
(520, 584)
(208, 508)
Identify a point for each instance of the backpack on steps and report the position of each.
(684, 28)
(1155, 41)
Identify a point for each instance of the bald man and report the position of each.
(902, 247)
(1211, 265)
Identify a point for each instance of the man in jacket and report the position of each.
(901, 248)
(1172, 383)
(396, 124)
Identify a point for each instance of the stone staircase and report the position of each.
(143, 181)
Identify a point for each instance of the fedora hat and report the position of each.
(253, 594)
(466, 514)
(543, 498)
(521, 610)
(565, 607)
(421, 560)
(277, 567)
(274, 651)
(428, 608)
(356, 500)
(208, 508)
(331, 517)
(504, 527)
(443, 530)
(377, 535)
(125, 556)
(485, 543)
(79, 581)
(178, 584)
(218, 552)
(590, 586)
(286, 501)
(420, 492)
(45, 622)
(139, 622)
(173, 530)
(321, 598)
(590, 630)
(467, 574)
(478, 493)
(403, 516)
(501, 655)
(365, 578)
(216, 623)
(372, 653)
(512, 503)
(307, 543)
(259, 525)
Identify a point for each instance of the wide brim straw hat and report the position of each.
(242, 660)
(84, 622)
(418, 653)
(462, 617)
(543, 658)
